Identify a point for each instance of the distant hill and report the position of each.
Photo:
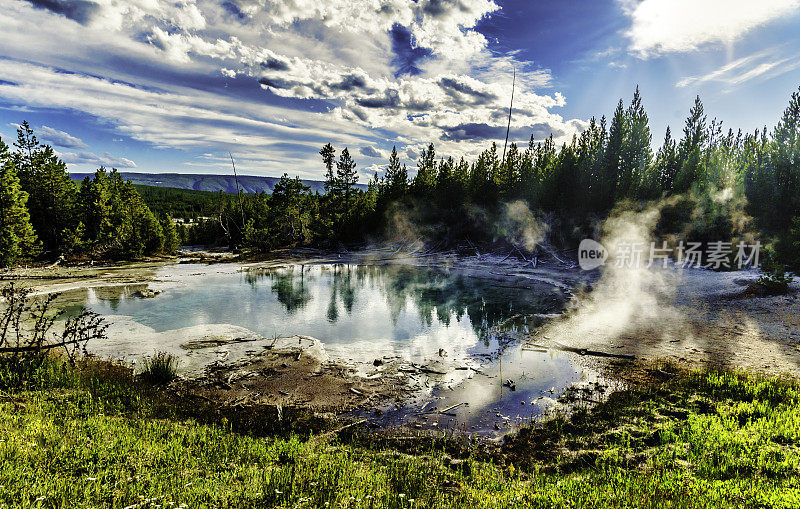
(224, 183)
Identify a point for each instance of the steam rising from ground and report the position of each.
(521, 226)
(629, 295)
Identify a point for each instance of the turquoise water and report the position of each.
(381, 309)
(362, 313)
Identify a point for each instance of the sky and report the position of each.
(175, 86)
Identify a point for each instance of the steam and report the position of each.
(629, 297)
(403, 228)
(521, 227)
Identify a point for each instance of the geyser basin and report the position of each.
(360, 313)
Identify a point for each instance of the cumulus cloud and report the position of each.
(415, 71)
(370, 151)
(663, 26)
(93, 159)
(59, 138)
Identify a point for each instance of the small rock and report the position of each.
(377, 362)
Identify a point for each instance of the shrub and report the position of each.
(774, 277)
(160, 369)
(26, 324)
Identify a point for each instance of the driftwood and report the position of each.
(444, 411)
(507, 256)
(452, 407)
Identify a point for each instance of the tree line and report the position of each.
(43, 212)
(715, 185)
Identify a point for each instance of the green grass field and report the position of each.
(96, 436)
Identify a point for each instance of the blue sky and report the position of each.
(173, 86)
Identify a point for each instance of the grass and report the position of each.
(96, 436)
(160, 369)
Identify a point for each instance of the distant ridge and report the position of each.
(226, 183)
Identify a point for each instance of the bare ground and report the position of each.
(707, 319)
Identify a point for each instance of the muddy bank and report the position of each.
(293, 371)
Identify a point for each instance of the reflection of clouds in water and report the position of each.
(534, 375)
(457, 339)
(368, 310)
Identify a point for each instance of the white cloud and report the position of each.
(762, 65)
(370, 151)
(59, 138)
(663, 26)
(132, 65)
(92, 159)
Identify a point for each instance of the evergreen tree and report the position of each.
(396, 176)
(425, 180)
(507, 172)
(636, 152)
(347, 178)
(610, 176)
(329, 159)
(329, 218)
(690, 148)
(17, 238)
(666, 164)
(51, 192)
(290, 215)
(96, 206)
(786, 163)
(171, 238)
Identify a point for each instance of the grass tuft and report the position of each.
(160, 369)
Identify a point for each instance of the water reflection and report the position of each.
(359, 312)
(439, 297)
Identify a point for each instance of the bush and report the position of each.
(26, 324)
(774, 277)
(160, 369)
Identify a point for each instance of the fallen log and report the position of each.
(36, 348)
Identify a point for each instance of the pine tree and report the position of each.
(690, 148)
(331, 203)
(171, 238)
(425, 180)
(507, 172)
(396, 177)
(287, 204)
(609, 178)
(17, 238)
(347, 177)
(636, 152)
(786, 163)
(328, 154)
(52, 194)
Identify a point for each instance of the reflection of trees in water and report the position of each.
(447, 295)
(288, 286)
